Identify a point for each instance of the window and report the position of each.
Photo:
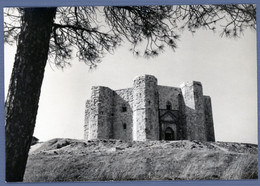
(168, 105)
(124, 126)
(123, 108)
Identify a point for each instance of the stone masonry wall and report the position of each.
(87, 116)
(145, 108)
(168, 94)
(105, 113)
(174, 96)
(93, 114)
(139, 113)
(209, 119)
(182, 129)
(151, 108)
(195, 116)
(123, 119)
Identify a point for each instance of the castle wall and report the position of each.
(141, 113)
(152, 108)
(145, 109)
(182, 129)
(123, 120)
(100, 108)
(105, 113)
(87, 116)
(93, 114)
(178, 123)
(168, 94)
(195, 116)
(209, 119)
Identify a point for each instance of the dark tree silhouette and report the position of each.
(25, 87)
(92, 31)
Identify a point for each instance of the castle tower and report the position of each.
(92, 110)
(99, 118)
(87, 119)
(145, 109)
(195, 112)
(209, 119)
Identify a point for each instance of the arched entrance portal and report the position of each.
(169, 134)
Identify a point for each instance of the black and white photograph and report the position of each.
(131, 93)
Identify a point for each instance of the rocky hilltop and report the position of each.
(103, 160)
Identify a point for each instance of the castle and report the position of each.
(148, 111)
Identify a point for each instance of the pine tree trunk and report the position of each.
(25, 87)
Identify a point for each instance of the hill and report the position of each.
(100, 160)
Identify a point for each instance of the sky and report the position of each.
(227, 69)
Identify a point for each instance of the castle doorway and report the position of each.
(169, 134)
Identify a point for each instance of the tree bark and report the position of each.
(25, 87)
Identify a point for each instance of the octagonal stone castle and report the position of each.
(148, 111)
